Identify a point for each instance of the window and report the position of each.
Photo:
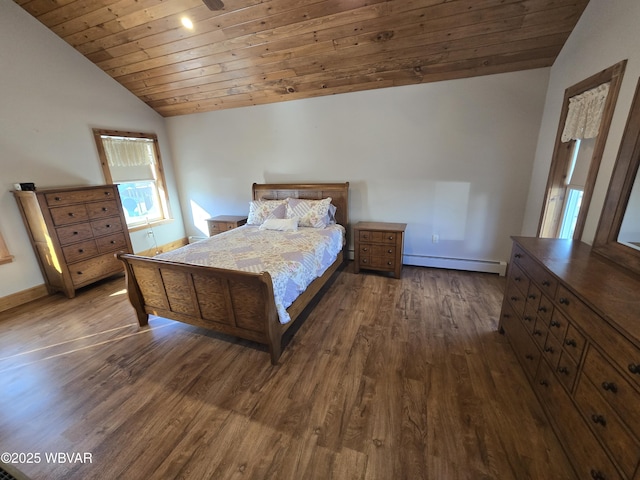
(132, 161)
(5, 257)
(579, 145)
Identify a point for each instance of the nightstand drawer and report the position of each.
(223, 223)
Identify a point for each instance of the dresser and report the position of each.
(573, 320)
(379, 246)
(222, 223)
(75, 233)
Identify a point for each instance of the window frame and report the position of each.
(5, 256)
(161, 183)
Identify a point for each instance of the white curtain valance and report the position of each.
(128, 152)
(585, 114)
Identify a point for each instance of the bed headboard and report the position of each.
(339, 193)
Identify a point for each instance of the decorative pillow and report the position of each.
(280, 224)
(259, 210)
(312, 213)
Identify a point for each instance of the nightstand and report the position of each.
(222, 223)
(379, 246)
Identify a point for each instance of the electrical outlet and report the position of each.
(435, 238)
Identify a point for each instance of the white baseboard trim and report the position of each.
(484, 266)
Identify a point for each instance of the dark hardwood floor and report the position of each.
(385, 379)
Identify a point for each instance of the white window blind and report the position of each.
(585, 114)
(129, 159)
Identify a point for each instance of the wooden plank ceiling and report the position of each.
(262, 51)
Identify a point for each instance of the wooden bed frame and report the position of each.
(228, 301)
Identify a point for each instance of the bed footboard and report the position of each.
(226, 301)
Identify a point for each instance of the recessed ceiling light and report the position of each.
(187, 23)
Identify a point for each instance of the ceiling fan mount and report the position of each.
(214, 4)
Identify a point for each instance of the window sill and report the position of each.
(137, 228)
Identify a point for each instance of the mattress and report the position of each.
(293, 259)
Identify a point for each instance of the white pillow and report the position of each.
(312, 213)
(260, 210)
(280, 224)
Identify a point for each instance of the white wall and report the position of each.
(606, 33)
(451, 158)
(50, 99)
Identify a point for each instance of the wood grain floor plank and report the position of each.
(383, 378)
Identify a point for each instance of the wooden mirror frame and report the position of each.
(624, 174)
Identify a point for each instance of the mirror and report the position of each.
(618, 233)
(630, 228)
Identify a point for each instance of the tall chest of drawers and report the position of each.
(75, 233)
(573, 320)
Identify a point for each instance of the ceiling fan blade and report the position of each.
(214, 4)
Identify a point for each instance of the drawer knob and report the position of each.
(518, 279)
(75, 233)
(364, 260)
(112, 242)
(81, 250)
(599, 419)
(518, 255)
(514, 299)
(548, 349)
(390, 237)
(528, 318)
(107, 193)
(532, 296)
(528, 356)
(546, 283)
(564, 301)
(71, 214)
(553, 323)
(537, 333)
(563, 370)
(79, 273)
(365, 249)
(597, 475)
(389, 263)
(570, 343)
(610, 387)
(57, 199)
(108, 225)
(543, 309)
(389, 251)
(104, 209)
(634, 368)
(544, 383)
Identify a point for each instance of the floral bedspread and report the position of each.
(293, 259)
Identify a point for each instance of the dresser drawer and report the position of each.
(378, 237)
(80, 251)
(526, 351)
(614, 387)
(574, 343)
(540, 332)
(87, 271)
(106, 226)
(104, 209)
(111, 243)
(518, 277)
(558, 325)
(378, 250)
(552, 350)
(79, 196)
(608, 427)
(567, 370)
(74, 233)
(69, 214)
(516, 298)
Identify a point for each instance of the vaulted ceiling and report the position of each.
(254, 52)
